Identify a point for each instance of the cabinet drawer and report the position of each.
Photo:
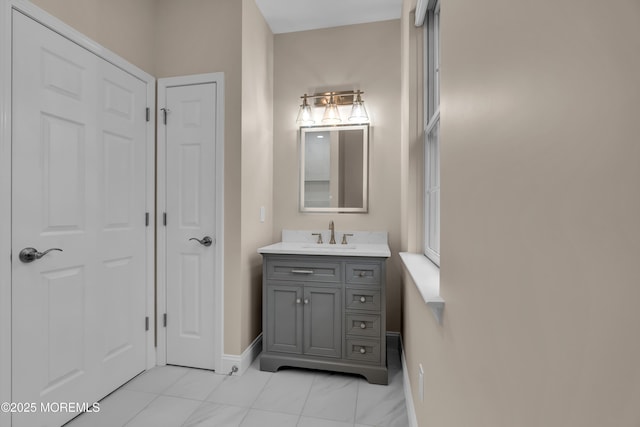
(364, 325)
(363, 350)
(302, 270)
(363, 274)
(363, 299)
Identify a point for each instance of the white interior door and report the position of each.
(190, 223)
(78, 184)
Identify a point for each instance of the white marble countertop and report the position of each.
(303, 242)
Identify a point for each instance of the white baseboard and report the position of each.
(243, 361)
(408, 396)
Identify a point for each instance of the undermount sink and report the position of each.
(329, 247)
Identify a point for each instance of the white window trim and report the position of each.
(424, 268)
(431, 119)
(428, 251)
(426, 277)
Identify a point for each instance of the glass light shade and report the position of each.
(358, 112)
(305, 116)
(331, 114)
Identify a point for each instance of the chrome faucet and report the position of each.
(332, 241)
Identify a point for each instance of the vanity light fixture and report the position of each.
(330, 101)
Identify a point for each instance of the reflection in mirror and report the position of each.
(334, 163)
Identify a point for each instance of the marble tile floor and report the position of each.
(171, 396)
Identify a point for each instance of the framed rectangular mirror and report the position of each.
(334, 168)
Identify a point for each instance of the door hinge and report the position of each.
(146, 219)
(146, 323)
(165, 112)
(164, 320)
(148, 114)
(164, 219)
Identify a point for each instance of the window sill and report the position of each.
(426, 276)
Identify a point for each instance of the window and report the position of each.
(432, 135)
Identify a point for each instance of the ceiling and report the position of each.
(286, 16)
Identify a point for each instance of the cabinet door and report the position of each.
(323, 321)
(284, 318)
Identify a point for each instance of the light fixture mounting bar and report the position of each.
(345, 97)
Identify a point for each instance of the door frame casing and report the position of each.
(161, 235)
(6, 38)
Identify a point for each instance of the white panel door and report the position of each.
(120, 172)
(190, 197)
(78, 184)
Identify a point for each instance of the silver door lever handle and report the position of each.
(206, 240)
(28, 255)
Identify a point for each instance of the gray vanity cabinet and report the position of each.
(325, 312)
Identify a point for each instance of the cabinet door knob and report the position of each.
(306, 300)
(298, 300)
(363, 300)
(363, 325)
(363, 350)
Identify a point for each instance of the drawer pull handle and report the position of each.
(363, 350)
(302, 271)
(363, 300)
(363, 325)
(362, 274)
